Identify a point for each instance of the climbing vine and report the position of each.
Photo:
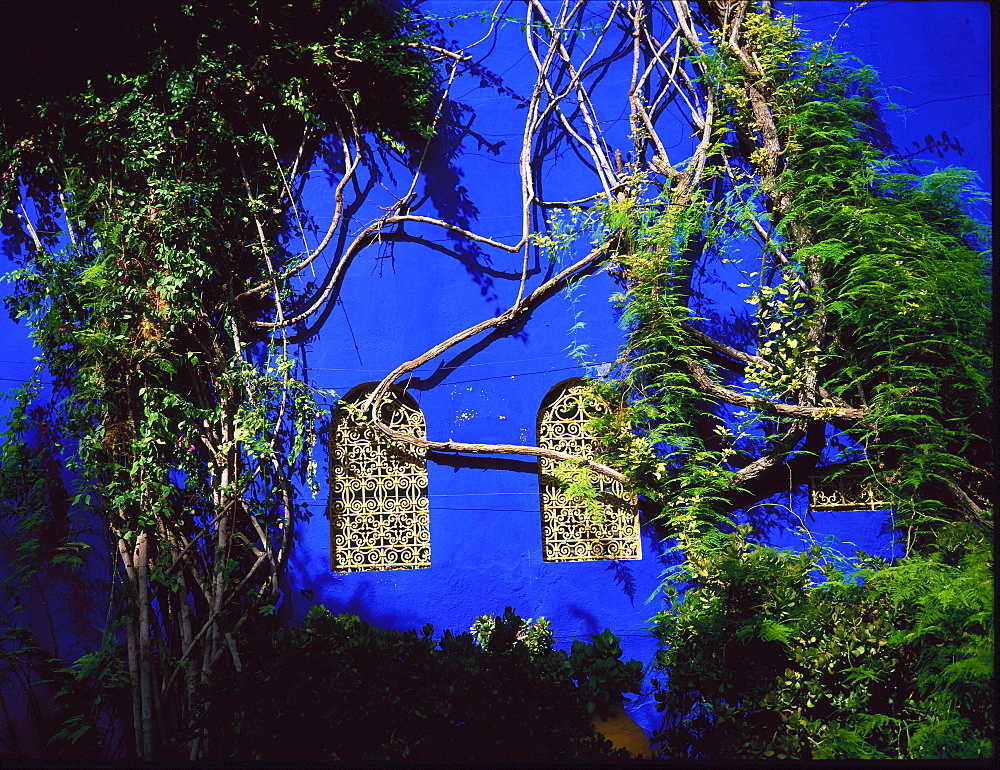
(871, 297)
(146, 213)
(870, 330)
(155, 216)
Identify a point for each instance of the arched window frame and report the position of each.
(378, 509)
(569, 531)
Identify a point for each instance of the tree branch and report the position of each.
(766, 406)
(380, 393)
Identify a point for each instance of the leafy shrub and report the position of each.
(601, 675)
(337, 688)
(764, 662)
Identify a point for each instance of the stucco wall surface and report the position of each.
(400, 299)
(485, 525)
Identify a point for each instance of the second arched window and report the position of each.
(570, 530)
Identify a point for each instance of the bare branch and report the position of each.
(773, 458)
(365, 237)
(739, 355)
(767, 406)
(442, 51)
(967, 504)
(376, 398)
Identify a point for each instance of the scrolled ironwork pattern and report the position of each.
(569, 531)
(379, 511)
(843, 493)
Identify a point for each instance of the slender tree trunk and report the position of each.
(132, 631)
(145, 643)
(131, 639)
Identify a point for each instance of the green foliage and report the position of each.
(149, 271)
(580, 487)
(872, 294)
(42, 547)
(657, 435)
(869, 319)
(503, 633)
(766, 659)
(163, 244)
(501, 19)
(87, 695)
(33, 501)
(602, 677)
(337, 688)
(563, 230)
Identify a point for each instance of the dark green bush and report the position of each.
(337, 688)
(891, 662)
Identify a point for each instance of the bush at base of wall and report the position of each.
(337, 688)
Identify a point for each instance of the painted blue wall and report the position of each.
(485, 526)
(398, 300)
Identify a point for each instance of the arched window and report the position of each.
(569, 531)
(379, 514)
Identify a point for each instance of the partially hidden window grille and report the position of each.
(569, 531)
(379, 512)
(843, 493)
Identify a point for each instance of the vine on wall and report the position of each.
(145, 212)
(159, 281)
(872, 321)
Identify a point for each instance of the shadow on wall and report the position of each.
(297, 601)
(56, 571)
(444, 198)
(588, 622)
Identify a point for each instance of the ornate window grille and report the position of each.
(569, 531)
(379, 512)
(843, 493)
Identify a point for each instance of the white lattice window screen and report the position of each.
(569, 531)
(379, 512)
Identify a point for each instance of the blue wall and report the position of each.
(400, 299)
(485, 526)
